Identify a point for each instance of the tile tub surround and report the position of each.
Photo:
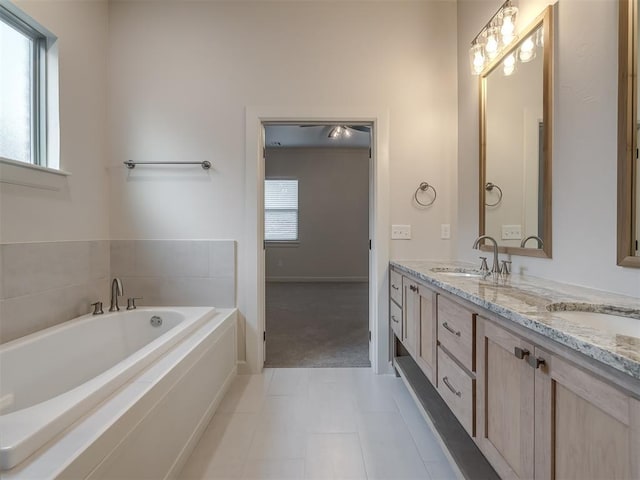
(176, 272)
(46, 283)
(523, 300)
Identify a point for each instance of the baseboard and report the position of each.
(317, 279)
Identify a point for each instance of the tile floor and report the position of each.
(320, 423)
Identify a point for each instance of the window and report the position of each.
(23, 87)
(281, 210)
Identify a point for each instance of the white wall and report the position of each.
(333, 214)
(182, 75)
(79, 211)
(584, 149)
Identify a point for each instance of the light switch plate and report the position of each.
(400, 232)
(511, 232)
(445, 231)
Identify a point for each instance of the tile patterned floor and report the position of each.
(323, 423)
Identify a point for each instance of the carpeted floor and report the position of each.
(317, 325)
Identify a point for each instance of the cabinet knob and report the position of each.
(413, 288)
(520, 352)
(535, 362)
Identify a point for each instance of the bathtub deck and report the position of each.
(318, 423)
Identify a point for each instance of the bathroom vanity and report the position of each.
(542, 383)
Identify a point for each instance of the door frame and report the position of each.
(251, 295)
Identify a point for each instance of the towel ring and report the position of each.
(489, 187)
(424, 186)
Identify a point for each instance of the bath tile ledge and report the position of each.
(523, 299)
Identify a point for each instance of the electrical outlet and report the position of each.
(445, 231)
(511, 232)
(400, 232)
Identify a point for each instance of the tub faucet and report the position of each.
(116, 291)
(496, 267)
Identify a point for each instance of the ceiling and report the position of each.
(279, 136)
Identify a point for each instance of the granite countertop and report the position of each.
(523, 300)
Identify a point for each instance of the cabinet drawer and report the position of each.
(395, 287)
(395, 319)
(456, 331)
(457, 389)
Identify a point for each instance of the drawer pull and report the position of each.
(447, 327)
(520, 352)
(394, 287)
(393, 317)
(450, 387)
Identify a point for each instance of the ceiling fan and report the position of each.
(341, 131)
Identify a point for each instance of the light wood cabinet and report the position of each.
(540, 416)
(457, 389)
(585, 428)
(426, 355)
(456, 331)
(411, 315)
(395, 319)
(505, 408)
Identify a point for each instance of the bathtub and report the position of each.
(54, 382)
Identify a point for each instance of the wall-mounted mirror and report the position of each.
(628, 128)
(515, 143)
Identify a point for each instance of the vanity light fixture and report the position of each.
(495, 35)
(527, 51)
(509, 64)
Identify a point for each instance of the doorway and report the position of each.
(317, 216)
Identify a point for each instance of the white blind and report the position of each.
(280, 210)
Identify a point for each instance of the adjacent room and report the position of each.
(317, 180)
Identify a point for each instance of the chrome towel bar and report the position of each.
(130, 164)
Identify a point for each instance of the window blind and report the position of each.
(280, 210)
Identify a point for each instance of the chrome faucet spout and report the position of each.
(496, 265)
(116, 291)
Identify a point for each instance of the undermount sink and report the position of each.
(458, 271)
(619, 321)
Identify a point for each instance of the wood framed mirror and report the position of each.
(515, 143)
(628, 125)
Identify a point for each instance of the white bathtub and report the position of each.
(54, 379)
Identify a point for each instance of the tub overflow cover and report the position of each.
(156, 321)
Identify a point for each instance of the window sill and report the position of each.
(282, 244)
(33, 176)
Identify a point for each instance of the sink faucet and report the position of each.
(116, 291)
(531, 237)
(496, 266)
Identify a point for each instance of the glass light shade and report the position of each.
(492, 42)
(477, 58)
(508, 26)
(539, 35)
(527, 50)
(509, 64)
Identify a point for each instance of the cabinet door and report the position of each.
(411, 315)
(585, 428)
(505, 400)
(426, 338)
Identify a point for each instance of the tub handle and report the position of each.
(97, 308)
(131, 302)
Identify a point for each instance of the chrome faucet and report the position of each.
(531, 237)
(116, 291)
(496, 266)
